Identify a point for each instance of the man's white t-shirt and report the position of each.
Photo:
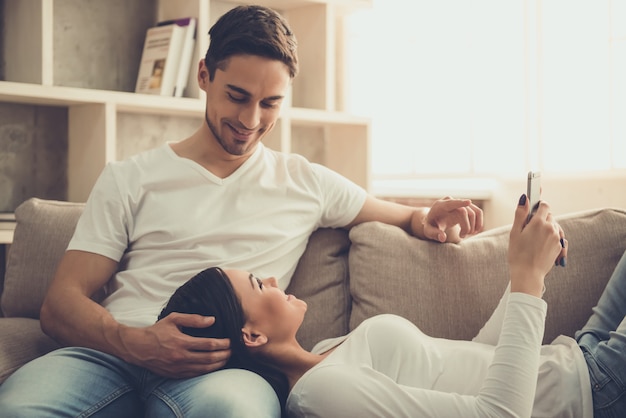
(166, 218)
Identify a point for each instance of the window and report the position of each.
(490, 87)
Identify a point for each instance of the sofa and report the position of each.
(448, 290)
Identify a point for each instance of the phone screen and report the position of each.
(533, 191)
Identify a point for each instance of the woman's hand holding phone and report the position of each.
(533, 247)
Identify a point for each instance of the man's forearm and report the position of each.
(75, 320)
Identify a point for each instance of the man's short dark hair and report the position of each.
(251, 30)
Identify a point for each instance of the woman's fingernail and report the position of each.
(563, 262)
(522, 200)
(562, 243)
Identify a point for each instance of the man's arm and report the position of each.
(70, 316)
(447, 220)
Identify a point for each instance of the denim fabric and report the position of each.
(603, 342)
(80, 382)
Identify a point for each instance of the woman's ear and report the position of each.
(252, 339)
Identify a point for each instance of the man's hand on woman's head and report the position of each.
(165, 350)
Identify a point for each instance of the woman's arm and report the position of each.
(490, 332)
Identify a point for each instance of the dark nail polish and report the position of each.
(522, 200)
(563, 262)
(562, 243)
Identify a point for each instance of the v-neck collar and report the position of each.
(251, 161)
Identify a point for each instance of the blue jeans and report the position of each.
(603, 342)
(80, 382)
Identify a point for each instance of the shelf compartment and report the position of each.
(343, 147)
(33, 153)
(64, 43)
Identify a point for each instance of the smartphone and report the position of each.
(533, 191)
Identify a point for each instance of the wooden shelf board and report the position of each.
(71, 96)
(6, 236)
(301, 116)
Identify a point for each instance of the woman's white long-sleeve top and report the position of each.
(388, 368)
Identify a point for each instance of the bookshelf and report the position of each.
(83, 56)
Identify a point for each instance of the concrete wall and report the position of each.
(137, 132)
(33, 153)
(34, 146)
(98, 44)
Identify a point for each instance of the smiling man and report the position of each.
(153, 221)
(244, 98)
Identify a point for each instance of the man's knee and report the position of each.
(247, 394)
(228, 393)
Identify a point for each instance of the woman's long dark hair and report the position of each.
(210, 293)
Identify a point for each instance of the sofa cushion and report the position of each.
(393, 272)
(44, 228)
(597, 241)
(321, 280)
(22, 341)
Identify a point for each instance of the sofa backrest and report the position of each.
(450, 290)
(447, 290)
(44, 228)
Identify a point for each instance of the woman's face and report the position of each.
(267, 308)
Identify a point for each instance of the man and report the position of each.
(151, 222)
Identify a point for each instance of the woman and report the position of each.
(387, 367)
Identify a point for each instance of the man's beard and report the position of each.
(232, 149)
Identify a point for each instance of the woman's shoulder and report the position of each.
(312, 393)
(380, 321)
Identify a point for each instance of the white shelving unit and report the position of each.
(312, 124)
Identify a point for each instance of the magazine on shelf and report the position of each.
(186, 57)
(162, 57)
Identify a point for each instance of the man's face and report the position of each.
(244, 100)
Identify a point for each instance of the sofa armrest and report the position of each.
(43, 230)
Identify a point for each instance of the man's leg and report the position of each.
(229, 393)
(603, 341)
(72, 382)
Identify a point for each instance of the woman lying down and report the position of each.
(387, 367)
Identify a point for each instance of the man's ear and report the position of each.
(203, 75)
(252, 339)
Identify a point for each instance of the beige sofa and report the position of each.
(448, 290)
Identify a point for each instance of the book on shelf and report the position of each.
(166, 57)
(186, 57)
